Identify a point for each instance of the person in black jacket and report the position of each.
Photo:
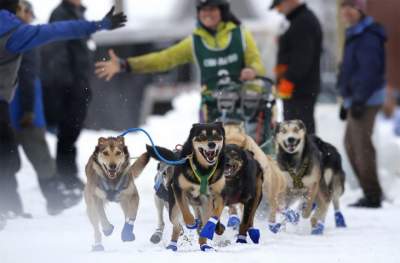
(298, 65)
(67, 93)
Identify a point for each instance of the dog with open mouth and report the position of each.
(110, 178)
(198, 182)
(243, 185)
(314, 172)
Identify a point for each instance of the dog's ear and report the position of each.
(102, 141)
(120, 140)
(301, 125)
(277, 128)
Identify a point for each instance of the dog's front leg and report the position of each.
(318, 218)
(94, 219)
(107, 227)
(181, 199)
(212, 223)
(310, 199)
(174, 215)
(129, 204)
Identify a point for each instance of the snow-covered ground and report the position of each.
(371, 235)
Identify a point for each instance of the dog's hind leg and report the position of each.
(94, 220)
(318, 218)
(176, 228)
(157, 235)
(129, 205)
(183, 204)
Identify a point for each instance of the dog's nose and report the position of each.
(291, 140)
(211, 145)
(113, 166)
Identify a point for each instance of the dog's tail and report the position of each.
(165, 153)
(139, 165)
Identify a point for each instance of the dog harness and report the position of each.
(111, 191)
(298, 177)
(202, 178)
(159, 187)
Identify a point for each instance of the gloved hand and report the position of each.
(343, 113)
(357, 110)
(27, 120)
(285, 89)
(113, 21)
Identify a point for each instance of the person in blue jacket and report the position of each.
(17, 38)
(28, 121)
(362, 85)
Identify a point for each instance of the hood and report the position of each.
(368, 23)
(8, 21)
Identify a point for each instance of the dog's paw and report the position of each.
(207, 248)
(241, 239)
(339, 219)
(156, 237)
(97, 248)
(127, 233)
(254, 235)
(195, 225)
(173, 246)
(209, 229)
(234, 221)
(292, 216)
(108, 231)
(274, 227)
(318, 229)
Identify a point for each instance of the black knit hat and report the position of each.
(10, 5)
(223, 5)
(203, 3)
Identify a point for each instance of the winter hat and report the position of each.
(358, 4)
(10, 5)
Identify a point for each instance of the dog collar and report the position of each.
(203, 178)
(298, 177)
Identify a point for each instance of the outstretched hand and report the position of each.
(116, 20)
(108, 69)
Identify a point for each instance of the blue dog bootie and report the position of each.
(209, 229)
(234, 221)
(274, 227)
(292, 216)
(207, 248)
(195, 225)
(241, 239)
(318, 229)
(127, 232)
(173, 245)
(339, 219)
(254, 234)
(108, 230)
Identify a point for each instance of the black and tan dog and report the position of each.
(110, 178)
(313, 171)
(243, 185)
(198, 182)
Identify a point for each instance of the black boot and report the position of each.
(57, 196)
(67, 168)
(366, 202)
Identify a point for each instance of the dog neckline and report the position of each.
(203, 178)
(298, 177)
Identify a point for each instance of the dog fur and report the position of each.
(107, 166)
(205, 145)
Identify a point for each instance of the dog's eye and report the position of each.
(217, 137)
(296, 130)
(283, 130)
(105, 153)
(201, 137)
(118, 153)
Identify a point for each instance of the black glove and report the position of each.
(343, 113)
(357, 110)
(117, 20)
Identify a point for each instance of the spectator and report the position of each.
(28, 121)
(17, 38)
(67, 93)
(298, 65)
(361, 84)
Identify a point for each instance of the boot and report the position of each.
(67, 168)
(366, 202)
(57, 196)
